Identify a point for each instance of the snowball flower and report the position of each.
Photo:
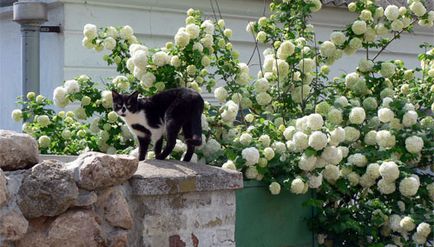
(43, 120)
(274, 188)
(314, 121)
(182, 38)
(306, 65)
(289, 132)
(386, 187)
(418, 9)
(389, 171)
(307, 163)
(251, 155)
(297, 186)
(394, 221)
(300, 140)
(385, 115)
(160, 58)
(317, 140)
(357, 115)
(193, 30)
(268, 153)
(208, 26)
(263, 98)
(44, 141)
(17, 115)
(262, 85)
(90, 31)
(140, 60)
(126, 32)
(371, 138)
(315, 182)
(366, 15)
(359, 27)
(397, 25)
(409, 118)
(286, 49)
(245, 139)
(221, 94)
(358, 159)
(107, 99)
(370, 103)
(391, 12)
(327, 49)
(148, 79)
(373, 171)
(385, 139)
(109, 43)
(332, 155)
(335, 116)
(230, 111)
(300, 93)
(251, 172)
(331, 173)
(365, 65)
(351, 134)
(407, 224)
(424, 229)
(261, 36)
(414, 144)
(72, 86)
(418, 238)
(279, 147)
(338, 38)
(409, 186)
(265, 140)
(387, 69)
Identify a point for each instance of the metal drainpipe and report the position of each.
(30, 15)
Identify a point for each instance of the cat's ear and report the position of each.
(115, 94)
(134, 95)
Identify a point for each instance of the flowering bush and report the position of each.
(363, 141)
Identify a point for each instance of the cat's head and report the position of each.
(124, 104)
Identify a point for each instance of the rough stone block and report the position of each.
(17, 150)
(48, 190)
(95, 170)
(156, 177)
(3, 189)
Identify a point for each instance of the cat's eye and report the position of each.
(118, 105)
(128, 106)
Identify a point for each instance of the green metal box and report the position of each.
(265, 220)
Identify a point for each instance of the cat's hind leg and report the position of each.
(188, 134)
(189, 153)
(158, 146)
(194, 127)
(172, 130)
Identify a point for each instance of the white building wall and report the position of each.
(51, 61)
(155, 22)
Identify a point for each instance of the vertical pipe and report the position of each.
(30, 58)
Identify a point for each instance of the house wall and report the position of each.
(155, 22)
(51, 61)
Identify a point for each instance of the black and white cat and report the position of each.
(163, 114)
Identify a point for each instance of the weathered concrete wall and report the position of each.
(112, 200)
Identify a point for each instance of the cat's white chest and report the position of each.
(140, 118)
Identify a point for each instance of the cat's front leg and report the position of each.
(143, 146)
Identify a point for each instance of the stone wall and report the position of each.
(111, 200)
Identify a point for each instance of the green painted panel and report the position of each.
(264, 220)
